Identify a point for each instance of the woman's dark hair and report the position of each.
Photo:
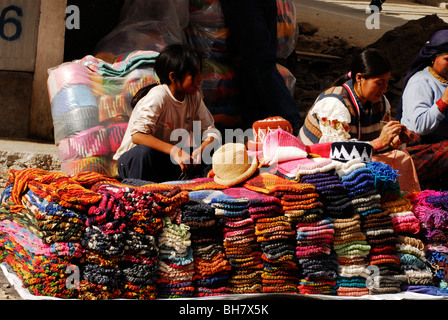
(177, 58)
(370, 63)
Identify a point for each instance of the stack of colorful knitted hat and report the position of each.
(210, 263)
(176, 263)
(141, 253)
(376, 224)
(430, 208)
(410, 249)
(275, 237)
(360, 185)
(350, 245)
(300, 204)
(152, 213)
(103, 242)
(57, 224)
(332, 193)
(316, 259)
(383, 253)
(359, 181)
(240, 244)
(280, 272)
(299, 201)
(120, 242)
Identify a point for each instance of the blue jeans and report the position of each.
(253, 38)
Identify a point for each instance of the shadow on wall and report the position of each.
(97, 19)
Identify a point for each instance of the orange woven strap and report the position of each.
(19, 180)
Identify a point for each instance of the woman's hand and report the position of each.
(389, 136)
(389, 132)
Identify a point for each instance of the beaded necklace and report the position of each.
(437, 76)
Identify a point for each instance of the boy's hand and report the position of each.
(182, 158)
(197, 156)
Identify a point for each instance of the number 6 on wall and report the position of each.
(16, 22)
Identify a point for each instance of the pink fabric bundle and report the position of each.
(314, 238)
(281, 146)
(115, 134)
(65, 75)
(88, 143)
(405, 222)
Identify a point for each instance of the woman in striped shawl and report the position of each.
(355, 107)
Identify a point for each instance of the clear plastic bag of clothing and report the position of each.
(90, 107)
(146, 25)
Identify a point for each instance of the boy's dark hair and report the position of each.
(177, 58)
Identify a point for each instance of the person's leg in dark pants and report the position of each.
(253, 37)
(144, 163)
(378, 3)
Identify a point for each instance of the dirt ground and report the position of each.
(315, 74)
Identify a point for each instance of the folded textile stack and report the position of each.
(376, 224)
(280, 270)
(141, 253)
(350, 245)
(103, 241)
(298, 201)
(45, 220)
(56, 223)
(210, 263)
(146, 209)
(275, 237)
(121, 243)
(431, 210)
(317, 261)
(41, 258)
(300, 204)
(176, 263)
(240, 243)
(410, 249)
(332, 193)
(359, 182)
(414, 264)
(41, 273)
(383, 258)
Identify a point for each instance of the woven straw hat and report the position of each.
(232, 165)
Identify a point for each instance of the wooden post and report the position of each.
(50, 53)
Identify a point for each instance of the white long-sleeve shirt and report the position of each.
(160, 114)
